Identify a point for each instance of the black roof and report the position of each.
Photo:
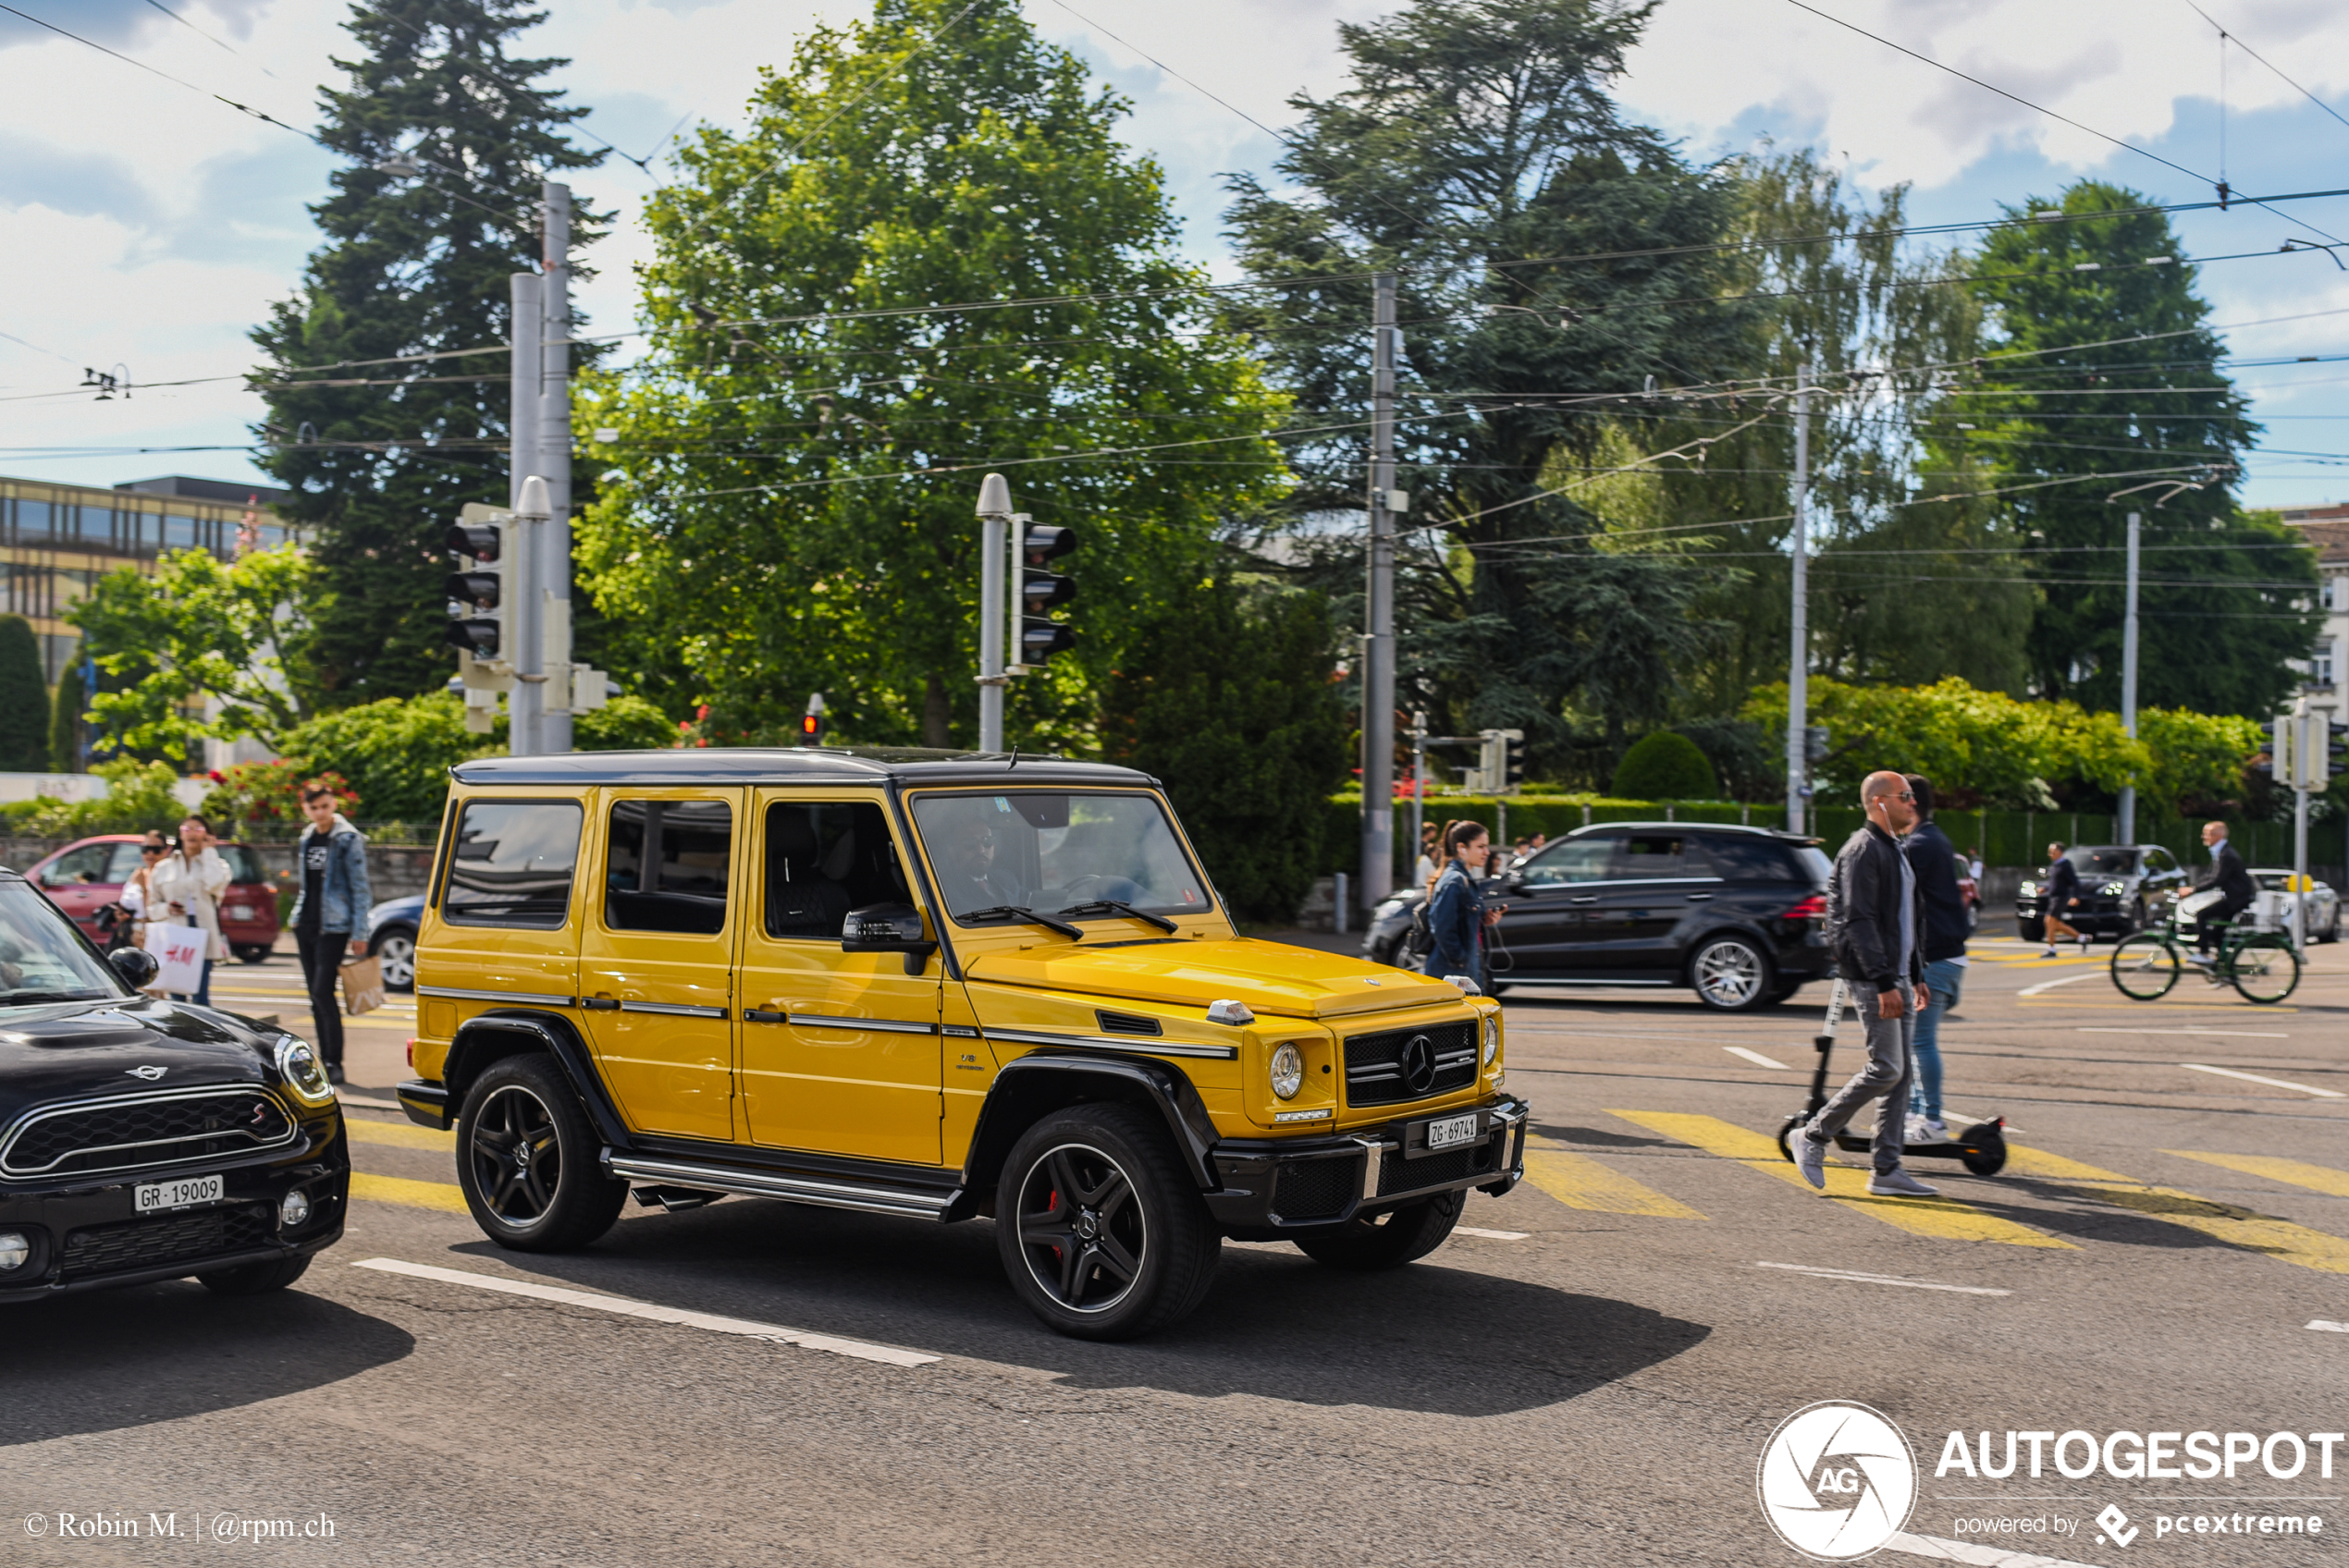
(793, 764)
(1685, 825)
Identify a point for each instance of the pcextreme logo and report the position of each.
(1837, 1481)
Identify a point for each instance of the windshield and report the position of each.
(1052, 851)
(42, 958)
(2103, 863)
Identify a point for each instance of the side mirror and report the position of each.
(888, 928)
(136, 965)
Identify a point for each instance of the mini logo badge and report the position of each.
(149, 1073)
(2117, 1527)
(1836, 1481)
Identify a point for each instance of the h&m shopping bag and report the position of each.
(179, 952)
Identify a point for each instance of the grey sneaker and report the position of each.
(1898, 1183)
(1926, 1129)
(1811, 1158)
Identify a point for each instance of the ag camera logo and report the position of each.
(1837, 1481)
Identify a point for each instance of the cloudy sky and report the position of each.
(147, 225)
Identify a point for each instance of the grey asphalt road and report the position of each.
(1594, 1382)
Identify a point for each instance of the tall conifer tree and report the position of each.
(414, 263)
(24, 699)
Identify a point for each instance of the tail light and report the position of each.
(411, 1050)
(1813, 908)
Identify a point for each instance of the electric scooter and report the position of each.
(1982, 1147)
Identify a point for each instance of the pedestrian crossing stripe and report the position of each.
(399, 1134)
(444, 1195)
(1944, 1218)
(1579, 1182)
(2317, 1178)
(2279, 1239)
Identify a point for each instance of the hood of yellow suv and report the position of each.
(1269, 976)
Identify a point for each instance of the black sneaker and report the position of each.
(334, 1073)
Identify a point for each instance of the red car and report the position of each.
(86, 875)
(1971, 891)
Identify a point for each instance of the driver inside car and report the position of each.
(979, 883)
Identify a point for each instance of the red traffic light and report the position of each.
(811, 727)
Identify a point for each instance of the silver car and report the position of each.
(2271, 911)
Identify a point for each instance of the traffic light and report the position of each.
(1038, 590)
(1815, 741)
(811, 723)
(2337, 748)
(481, 600)
(1512, 759)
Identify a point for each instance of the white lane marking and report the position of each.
(2051, 985)
(2322, 1327)
(1490, 1235)
(2229, 1034)
(1883, 1280)
(1756, 1058)
(1975, 1552)
(2271, 1083)
(887, 1355)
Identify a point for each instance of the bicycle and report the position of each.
(2263, 965)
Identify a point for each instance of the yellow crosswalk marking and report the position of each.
(1579, 1182)
(399, 1134)
(2280, 1238)
(1942, 1217)
(443, 1195)
(2320, 1178)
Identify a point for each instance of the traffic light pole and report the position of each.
(552, 562)
(2128, 681)
(1378, 613)
(527, 372)
(994, 525)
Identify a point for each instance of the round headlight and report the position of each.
(15, 1247)
(1287, 1070)
(298, 1065)
(1492, 1037)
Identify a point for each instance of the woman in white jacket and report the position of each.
(185, 890)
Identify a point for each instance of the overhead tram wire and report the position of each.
(2236, 39)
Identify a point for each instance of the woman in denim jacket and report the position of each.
(1456, 913)
(331, 860)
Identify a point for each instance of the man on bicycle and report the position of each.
(2227, 875)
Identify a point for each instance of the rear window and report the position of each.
(510, 864)
(244, 866)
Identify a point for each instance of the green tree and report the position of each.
(198, 628)
(64, 750)
(2102, 364)
(381, 455)
(1663, 766)
(791, 506)
(24, 699)
(1223, 698)
(1475, 145)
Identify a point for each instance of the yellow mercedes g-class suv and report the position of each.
(930, 985)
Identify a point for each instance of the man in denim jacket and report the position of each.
(331, 860)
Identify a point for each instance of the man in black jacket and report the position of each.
(1876, 925)
(2059, 899)
(1935, 861)
(2226, 872)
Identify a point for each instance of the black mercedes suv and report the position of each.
(2123, 888)
(1732, 913)
(143, 1139)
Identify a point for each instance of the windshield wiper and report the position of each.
(1119, 906)
(1022, 912)
(34, 998)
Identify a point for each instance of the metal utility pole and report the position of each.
(1798, 674)
(554, 466)
(1419, 781)
(1378, 612)
(528, 623)
(994, 521)
(2129, 683)
(523, 703)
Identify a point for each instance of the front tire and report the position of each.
(2031, 930)
(526, 1161)
(1100, 1231)
(2144, 967)
(255, 1279)
(250, 953)
(1730, 974)
(1390, 1239)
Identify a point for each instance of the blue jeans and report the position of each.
(1946, 977)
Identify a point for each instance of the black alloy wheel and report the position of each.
(255, 1279)
(1100, 1231)
(394, 947)
(1390, 1239)
(1730, 974)
(527, 1160)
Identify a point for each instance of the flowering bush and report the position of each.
(264, 796)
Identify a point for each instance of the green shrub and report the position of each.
(138, 797)
(623, 724)
(1665, 766)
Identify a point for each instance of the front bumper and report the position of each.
(87, 1234)
(2098, 913)
(1277, 1187)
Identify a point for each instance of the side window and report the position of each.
(1648, 856)
(666, 866)
(2160, 860)
(1572, 860)
(1741, 859)
(86, 863)
(123, 865)
(510, 864)
(822, 858)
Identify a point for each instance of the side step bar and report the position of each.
(792, 1189)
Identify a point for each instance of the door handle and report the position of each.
(759, 1015)
(1583, 899)
(1698, 897)
(606, 1004)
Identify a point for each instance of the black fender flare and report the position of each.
(1032, 1086)
(488, 1036)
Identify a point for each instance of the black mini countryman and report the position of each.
(143, 1139)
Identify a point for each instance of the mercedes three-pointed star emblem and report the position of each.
(1418, 1063)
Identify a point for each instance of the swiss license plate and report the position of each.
(239, 912)
(188, 1190)
(1452, 1130)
